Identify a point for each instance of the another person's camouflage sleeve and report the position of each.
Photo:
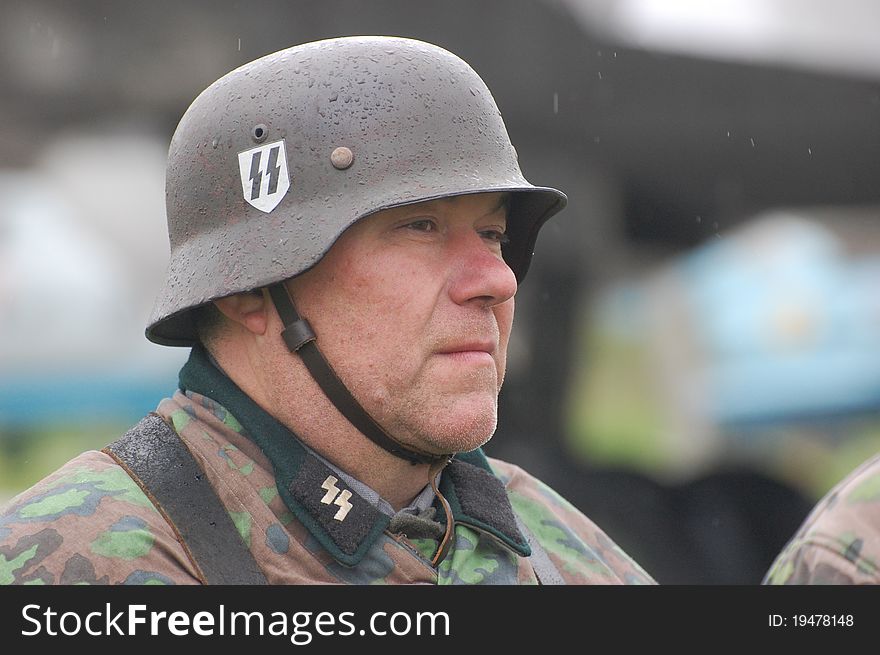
(88, 523)
(839, 542)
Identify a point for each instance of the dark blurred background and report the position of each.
(697, 351)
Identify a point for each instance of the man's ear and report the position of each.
(247, 309)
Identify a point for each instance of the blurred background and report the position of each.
(697, 351)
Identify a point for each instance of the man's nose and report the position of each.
(479, 273)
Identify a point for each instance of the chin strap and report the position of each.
(300, 338)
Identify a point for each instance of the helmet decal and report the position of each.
(264, 178)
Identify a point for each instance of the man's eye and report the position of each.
(495, 235)
(425, 225)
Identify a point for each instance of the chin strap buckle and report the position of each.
(297, 334)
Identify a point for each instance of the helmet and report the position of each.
(273, 161)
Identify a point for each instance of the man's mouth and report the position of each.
(476, 351)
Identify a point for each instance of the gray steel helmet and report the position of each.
(273, 161)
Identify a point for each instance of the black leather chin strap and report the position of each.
(300, 338)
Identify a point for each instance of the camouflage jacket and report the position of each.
(839, 542)
(89, 522)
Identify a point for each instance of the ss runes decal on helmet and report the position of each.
(264, 179)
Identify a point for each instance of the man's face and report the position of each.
(413, 308)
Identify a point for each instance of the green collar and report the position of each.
(343, 522)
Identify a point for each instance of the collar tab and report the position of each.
(478, 498)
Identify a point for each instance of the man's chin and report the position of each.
(459, 429)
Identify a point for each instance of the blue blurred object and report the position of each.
(788, 324)
(76, 284)
(83, 399)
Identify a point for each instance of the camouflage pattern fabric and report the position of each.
(839, 542)
(90, 523)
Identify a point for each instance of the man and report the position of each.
(348, 226)
(839, 542)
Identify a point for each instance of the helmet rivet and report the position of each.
(260, 133)
(341, 158)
